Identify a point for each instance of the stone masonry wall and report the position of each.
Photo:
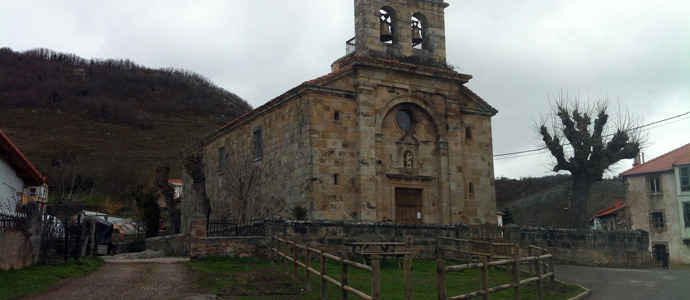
(588, 247)
(15, 250)
(578, 247)
(177, 245)
(330, 236)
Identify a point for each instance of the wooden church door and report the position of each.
(408, 206)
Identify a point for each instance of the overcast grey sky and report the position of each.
(520, 53)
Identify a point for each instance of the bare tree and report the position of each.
(242, 176)
(591, 148)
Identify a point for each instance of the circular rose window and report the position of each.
(404, 120)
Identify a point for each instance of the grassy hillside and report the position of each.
(543, 202)
(110, 122)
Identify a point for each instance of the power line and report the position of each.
(635, 128)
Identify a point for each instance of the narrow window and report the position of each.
(336, 115)
(470, 189)
(335, 179)
(222, 159)
(657, 219)
(257, 144)
(685, 178)
(468, 133)
(654, 185)
(686, 214)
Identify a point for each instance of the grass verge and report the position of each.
(259, 279)
(37, 279)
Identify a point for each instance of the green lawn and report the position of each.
(259, 279)
(37, 279)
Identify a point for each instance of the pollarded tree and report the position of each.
(591, 148)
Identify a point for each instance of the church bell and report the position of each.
(386, 34)
(416, 34)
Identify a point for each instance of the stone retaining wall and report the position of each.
(15, 250)
(330, 236)
(174, 245)
(588, 247)
(580, 247)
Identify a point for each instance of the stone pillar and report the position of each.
(366, 144)
(33, 228)
(197, 232)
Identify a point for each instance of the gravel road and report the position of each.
(138, 278)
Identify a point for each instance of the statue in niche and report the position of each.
(408, 160)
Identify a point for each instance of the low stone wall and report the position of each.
(237, 246)
(330, 236)
(15, 250)
(580, 247)
(588, 247)
(175, 245)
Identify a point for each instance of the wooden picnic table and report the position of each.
(382, 249)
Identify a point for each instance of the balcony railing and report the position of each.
(350, 46)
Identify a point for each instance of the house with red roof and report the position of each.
(658, 196)
(391, 134)
(612, 218)
(20, 181)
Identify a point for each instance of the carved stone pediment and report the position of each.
(408, 139)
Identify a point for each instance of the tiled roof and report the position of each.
(175, 180)
(25, 170)
(316, 81)
(666, 162)
(617, 206)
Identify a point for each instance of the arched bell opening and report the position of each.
(386, 17)
(418, 27)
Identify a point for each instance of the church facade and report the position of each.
(391, 134)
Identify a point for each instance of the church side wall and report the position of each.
(477, 158)
(286, 146)
(333, 188)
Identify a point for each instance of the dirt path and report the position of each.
(162, 278)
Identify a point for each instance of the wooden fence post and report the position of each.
(270, 249)
(516, 275)
(438, 248)
(409, 293)
(324, 283)
(540, 284)
(531, 263)
(343, 280)
(484, 280)
(551, 267)
(375, 280)
(294, 261)
(491, 252)
(287, 261)
(307, 262)
(441, 278)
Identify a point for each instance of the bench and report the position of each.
(397, 255)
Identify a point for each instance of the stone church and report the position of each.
(391, 134)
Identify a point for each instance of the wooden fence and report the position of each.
(540, 263)
(290, 251)
(468, 249)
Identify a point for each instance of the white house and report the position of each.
(20, 181)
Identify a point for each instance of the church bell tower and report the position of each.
(401, 29)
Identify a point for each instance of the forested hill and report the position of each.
(109, 123)
(118, 91)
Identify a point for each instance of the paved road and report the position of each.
(611, 283)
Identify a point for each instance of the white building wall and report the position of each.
(10, 186)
